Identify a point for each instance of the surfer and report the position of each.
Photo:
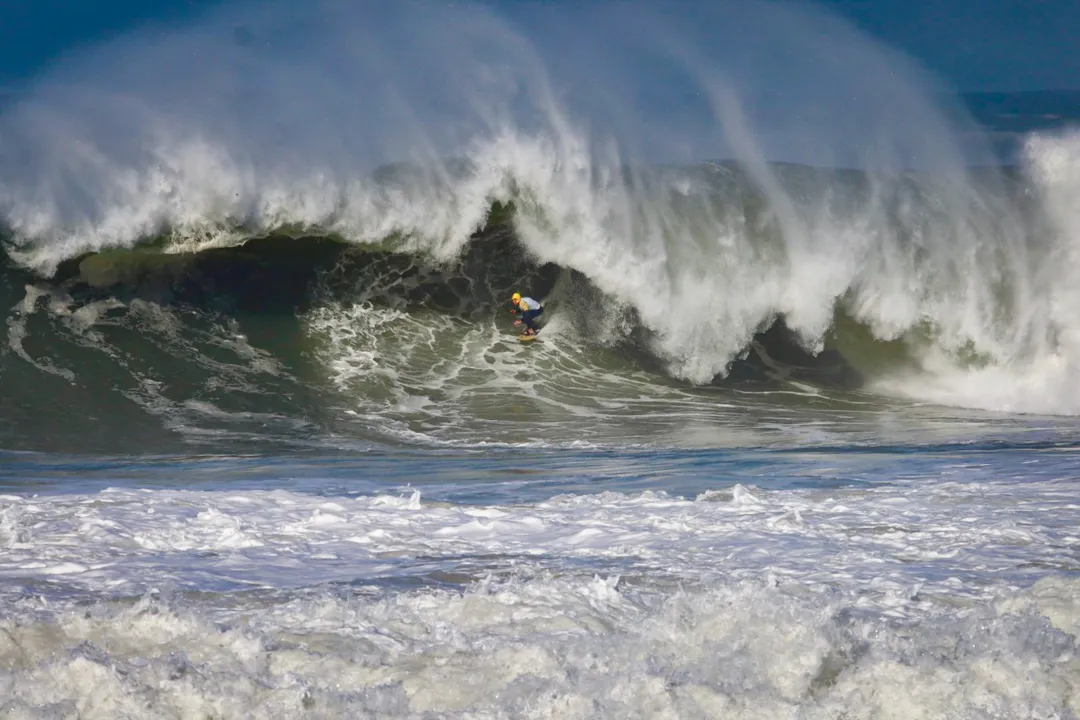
(530, 310)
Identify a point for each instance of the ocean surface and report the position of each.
(799, 438)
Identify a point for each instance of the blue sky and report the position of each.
(972, 44)
(32, 32)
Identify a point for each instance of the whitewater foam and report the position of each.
(553, 648)
(743, 602)
(878, 541)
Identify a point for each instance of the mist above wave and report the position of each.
(263, 116)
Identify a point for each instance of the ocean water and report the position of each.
(799, 438)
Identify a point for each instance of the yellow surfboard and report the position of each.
(526, 338)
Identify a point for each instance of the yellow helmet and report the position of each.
(516, 298)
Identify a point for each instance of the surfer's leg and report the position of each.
(528, 318)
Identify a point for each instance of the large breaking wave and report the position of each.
(411, 158)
